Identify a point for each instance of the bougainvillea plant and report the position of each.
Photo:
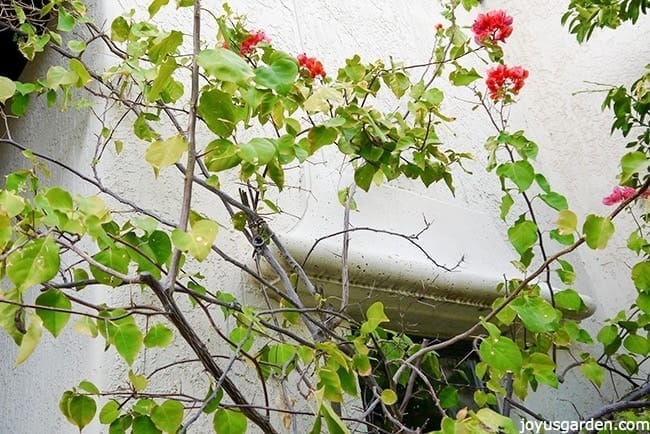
(266, 110)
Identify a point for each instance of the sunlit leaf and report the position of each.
(37, 261)
(597, 231)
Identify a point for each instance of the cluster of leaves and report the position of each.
(236, 96)
(584, 16)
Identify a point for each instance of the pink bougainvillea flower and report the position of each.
(504, 80)
(492, 27)
(251, 42)
(438, 27)
(621, 193)
(311, 64)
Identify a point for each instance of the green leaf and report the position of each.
(495, 422)
(139, 382)
(217, 110)
(280, 73)
(158, 336)
(10, 203)
(82, 410)
(229, 422)
(598, 230)
(144, 425)
(164, 153)
(242, 337)
(197, 242)
(162, 80)
(542, 182)
(633, 163)
(214, 400)
(36, 262)
(225, 65)
(569, 300)
(555, 200)
(334, 423)
(30, 339)
(501, 354)
(66, 21)
(120, 30)
(388, 397)
(607, 334)
(114, 258)
(320, 100)
(52, 320)
(643, 301)
(543, 369)
(363, 176)
(59, 199)
(519, 172)
(121, 424)
(89, 387)
(77, 47)
(628, 363)
(83, 76)
(374, 316)
(463, 77)
(258, 151)
(155, 6)
(567, 222)
(127, 339)
(168, 416)
(641, 276)
(109, 412)
(166, 46)
(506, 204)
(523, 235)
(536, 313)
(7, 89)
(221, 155)
(320, 136)
(593, 372)
(636, 344)
(448, 397)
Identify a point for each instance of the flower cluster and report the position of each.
(503, 80)
(312, 65)
(621, 193)
(492, 27)
(251, 42)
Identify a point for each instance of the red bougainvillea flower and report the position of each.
(312, 65)
(621, 193)
(438, 27)
(251, 41)
(492, 27)
(503, 80)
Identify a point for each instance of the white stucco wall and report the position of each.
(576, 154)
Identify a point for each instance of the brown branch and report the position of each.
(198, 347)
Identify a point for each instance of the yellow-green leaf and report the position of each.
(83, 76)
(37, 261)
(598, 230)
(164, 153)
(198, 241)
(388, 397)
(30, 339)
(7, 89)
(567, 222)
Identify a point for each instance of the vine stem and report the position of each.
(191, 145)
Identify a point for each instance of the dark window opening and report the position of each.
(12, 62)
(452, 368)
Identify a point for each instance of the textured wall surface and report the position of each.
(576, 153)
